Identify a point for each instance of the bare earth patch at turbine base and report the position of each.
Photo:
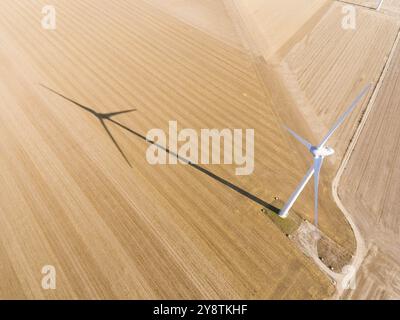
(334, 256)
(289, 225)
(331, 254)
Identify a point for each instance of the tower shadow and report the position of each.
(103, 117)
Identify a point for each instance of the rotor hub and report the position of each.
(322, 152)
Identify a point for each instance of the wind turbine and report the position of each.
(102, 117)
(319, 153)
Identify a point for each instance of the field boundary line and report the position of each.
(357, 5)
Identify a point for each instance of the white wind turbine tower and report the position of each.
(319, 153)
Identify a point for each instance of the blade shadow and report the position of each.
(115, 142)
(70, 100)
(103, 117)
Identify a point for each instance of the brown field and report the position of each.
(378, 279)
(274, 25)
(332, 64)
(210, 16)
(86, 200)
(326, 70)
(389, 7)
(69, 199)
(370, 187)
(373, 4)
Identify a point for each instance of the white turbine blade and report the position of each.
(317, 170)
(300, 139)
(289, 204)
(379, 5)
(345, 115)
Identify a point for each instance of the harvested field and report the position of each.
(370, 187)
(68, 197)
(373, 4)
(275, 25)
(332, 64)
(391, 7)
(79, 194)
(210, 16)
(378, 279)
(323, 73)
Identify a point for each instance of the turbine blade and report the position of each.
(300, 139)
(112, 114)
(317, 170)
(115, 142)
(345, 115)
(289, 204)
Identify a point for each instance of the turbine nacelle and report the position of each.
(321, 152)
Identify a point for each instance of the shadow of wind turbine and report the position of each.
(102, 117)
(107, 116)
(203, 170)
